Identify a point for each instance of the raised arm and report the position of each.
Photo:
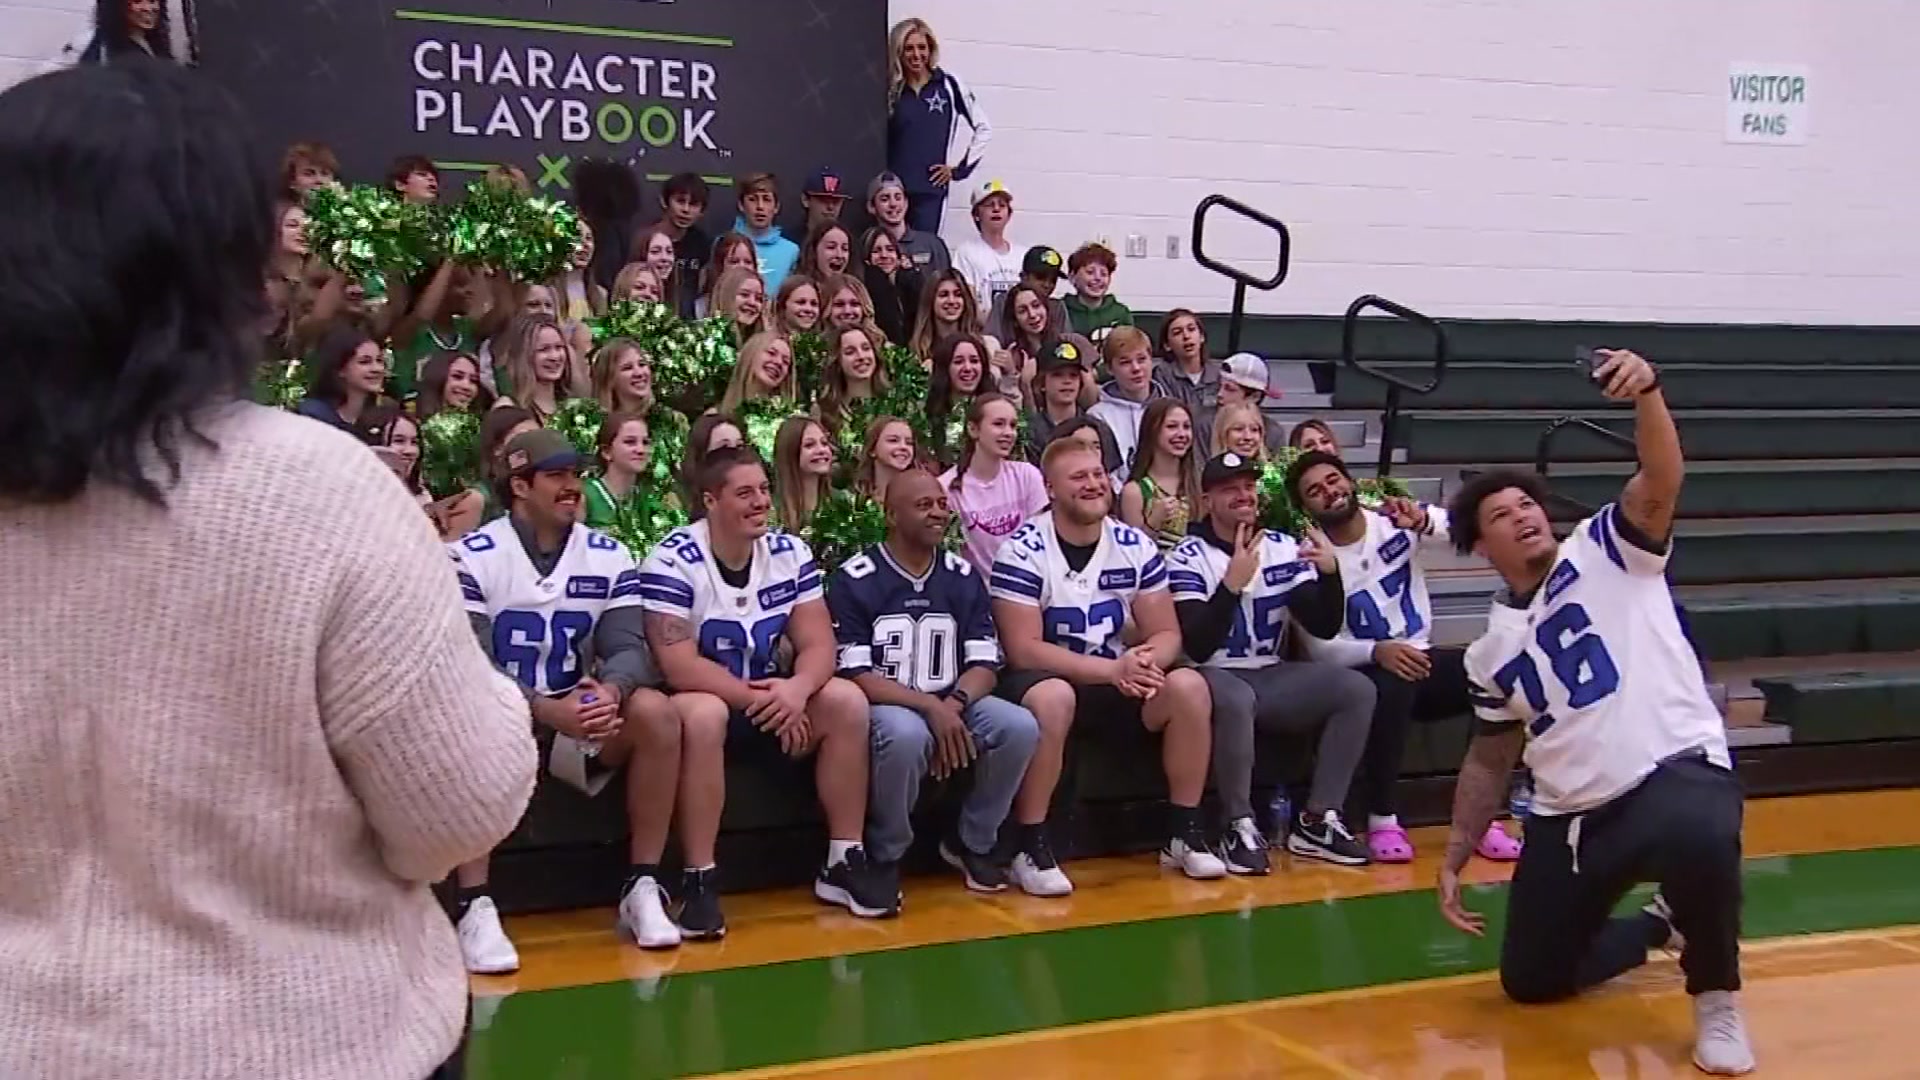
(1652, 496)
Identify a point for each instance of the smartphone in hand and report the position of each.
(1588, 360)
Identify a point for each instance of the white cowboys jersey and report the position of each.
(1597, 668)
(1386, 588)
(1081, 610)
(739, 629)
(543, 626)
(919, 632)
(1259, 633)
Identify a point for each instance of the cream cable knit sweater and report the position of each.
(238, 738)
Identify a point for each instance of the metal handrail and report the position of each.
(1543, 451)
(1395, 383)
(1242, 281)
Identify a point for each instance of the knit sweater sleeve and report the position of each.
(435, 743)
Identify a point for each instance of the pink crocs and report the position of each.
(1497, 845)
(1389, 845)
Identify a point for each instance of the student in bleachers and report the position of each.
(947, 309)
(1185, 371)
(887, 451)
(1093, 310)
(1066, 588)
(622, 377)
(847, 302)
(854, 373)
(580, 659)
(764, 370)
(396, 441)
(347, 374)
(415, 177)
(637, 282)
(544, 300)
(894, 285)
(822, 197)
(990, 261)
(925, 106)
(916, 634)
(759, 200)
(797, 307)
(1123, 400)
(455, 308)
(828, 250)
(991, 490)
(1240, 429)
(683, 202)
(731, 251)
(1058, 388)
(922, 251)
(1314, 434)
(539, 365)
(959, 373)
(451, 380)
(625, 447)
(1162, 493)
(802, 470)
(1029, 332)
(719, 595)
(1040, 271)
(742, 296)
(308, 165)
(1236, 586)
(654, 248)
(709, 434)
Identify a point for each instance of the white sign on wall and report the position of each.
(1768, 104)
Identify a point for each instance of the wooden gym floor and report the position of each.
(1313, 972)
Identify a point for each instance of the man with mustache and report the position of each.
(1583, 664)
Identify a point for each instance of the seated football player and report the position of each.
(1064, 587)
(556, 605)
(720, 595)
(1235, 586)
(916, 633)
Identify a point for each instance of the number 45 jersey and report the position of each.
(1598, 670)
(543, 626)
(919, 632)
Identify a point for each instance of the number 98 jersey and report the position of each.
(1081, 610)
(1598, 670)
(1259, 633)
(543, 626)
(739, 629)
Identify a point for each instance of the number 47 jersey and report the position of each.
(1598, 670)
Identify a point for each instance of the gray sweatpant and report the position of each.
(1290, 698)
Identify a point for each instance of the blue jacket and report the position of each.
(776, 253)
(923, 130)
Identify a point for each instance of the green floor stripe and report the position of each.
(810, 1009)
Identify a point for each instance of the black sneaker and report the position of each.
(983, 874)
(700, 917)
(1244, 850)
(864, 888)
(1326, 839)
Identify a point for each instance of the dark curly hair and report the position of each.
(136, 219)
(1463, 512)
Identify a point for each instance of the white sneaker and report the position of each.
(483, 942)
(1657, 907)
(1195, 862)
(1037, 880)
(643, 916)
(1720, 1043)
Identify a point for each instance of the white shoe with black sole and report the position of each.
(1326, 839)
(643, 916)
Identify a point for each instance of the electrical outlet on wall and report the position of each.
(1136, 246)
(1173, 247)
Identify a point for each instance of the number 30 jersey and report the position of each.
(739, 629)
(1082, 610)
(543, 626)
(1597, 668)
(1259, 633)
(919, 632)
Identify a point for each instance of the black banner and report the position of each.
(718, 87)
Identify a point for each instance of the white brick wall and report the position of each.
(1496, 158)
(32, 33)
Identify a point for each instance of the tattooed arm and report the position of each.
(686, 671)
(1477, 796)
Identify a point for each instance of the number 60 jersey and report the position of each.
(1597, 668)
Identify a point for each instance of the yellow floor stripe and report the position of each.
(1297, 1049)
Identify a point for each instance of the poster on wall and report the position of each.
(717, 87)
(1767, 105)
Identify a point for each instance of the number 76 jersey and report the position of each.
(1598, 670)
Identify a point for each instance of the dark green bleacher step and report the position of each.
(1757, 550)
(1805, 621)
(1492, 436)
(1847, 706)
(1561, 385)
(1763, 488)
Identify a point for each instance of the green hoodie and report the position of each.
(1093, 322)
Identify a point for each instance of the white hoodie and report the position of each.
(1122, 414)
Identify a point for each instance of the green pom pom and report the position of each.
(281, 384)
(844, 525)
(1277, 510)
(691, 367)
(761, 419)
(809, 363)
(450, 452)
(647, 325)
(579, 419)
(668, 430)
(370, 233)
(1370, 491)
(531, 239)
(644, 518)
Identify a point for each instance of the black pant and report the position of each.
(1442, 694)
(1680, 828)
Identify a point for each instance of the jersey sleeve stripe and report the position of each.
(1154, 574)
(855, 659)
(470, 588)
(661, 587)
(979, 651)
(1004, 582)
(1187, 583)
(1602, 532)
(627, 584)
(1485, 701)
(1015, 573)
(809, 583)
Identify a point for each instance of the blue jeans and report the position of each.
(1005, 735)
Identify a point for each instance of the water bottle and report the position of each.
(1280, 815)
(1520, 798)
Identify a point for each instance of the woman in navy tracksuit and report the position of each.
(925, 108)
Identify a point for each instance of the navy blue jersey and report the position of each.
(919, 632)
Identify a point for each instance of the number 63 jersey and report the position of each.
(1083, 610)
(1598, 670)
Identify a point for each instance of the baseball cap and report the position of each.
(544, 450)
(882, 182)
(1228, 466)
(1063, 354)
(1042, 260)
(988, 190)
(1248, 370)
(825, 181)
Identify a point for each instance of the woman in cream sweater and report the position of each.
(246, 723)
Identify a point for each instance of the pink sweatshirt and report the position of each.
(991, 509)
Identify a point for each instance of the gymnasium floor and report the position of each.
(1314, 972)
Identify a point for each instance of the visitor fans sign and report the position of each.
(708, 86)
